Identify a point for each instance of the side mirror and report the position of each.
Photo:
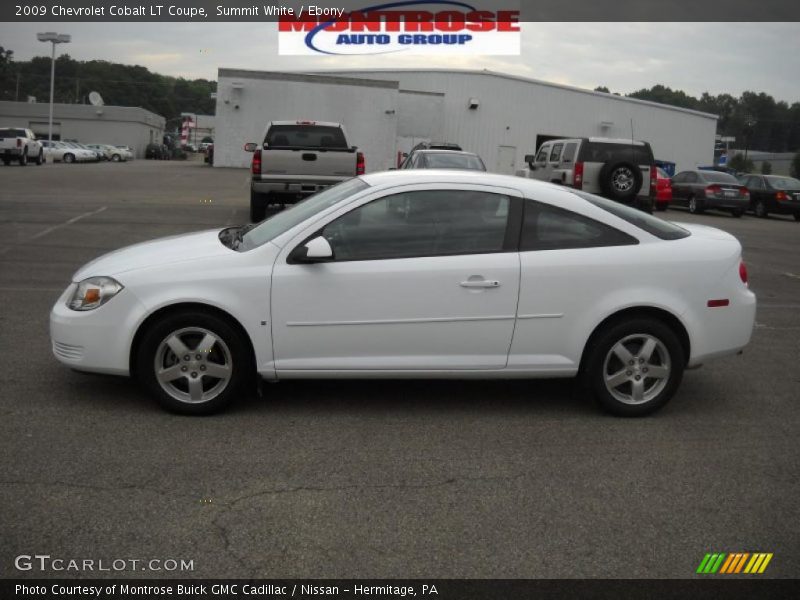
(315, 250)
(250, 147)
(530, 158)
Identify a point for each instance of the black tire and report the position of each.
(737, 213)
(600, 359)
(6, 161)
(40, 158)
(68, 158)
(797, 216)
(234, 351)
(696, 207)
(23, 158)
(258, 206)
(662, 206)
(761, 209)
(620, 181)
(115, 158)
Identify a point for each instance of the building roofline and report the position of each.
(300, 76)
(530, 80)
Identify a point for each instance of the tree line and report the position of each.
(118, 84)
(755, 119)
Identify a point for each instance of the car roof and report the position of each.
(444, 151)
(528, 187)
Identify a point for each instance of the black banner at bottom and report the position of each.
(371, 589)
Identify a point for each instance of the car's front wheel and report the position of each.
(695, 206)
(634, 367)
(69, 158)
(195, 363)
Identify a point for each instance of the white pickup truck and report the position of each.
(20, 145)
(297, 159)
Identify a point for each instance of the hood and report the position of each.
(169, 250)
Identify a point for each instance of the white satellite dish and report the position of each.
(95, 99)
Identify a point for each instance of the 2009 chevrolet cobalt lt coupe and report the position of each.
(415, 274)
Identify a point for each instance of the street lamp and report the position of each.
(54, 38)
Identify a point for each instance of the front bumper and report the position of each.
(97, 340)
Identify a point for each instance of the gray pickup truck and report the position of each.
(297, 159)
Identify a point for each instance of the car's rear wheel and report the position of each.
(194, 363)
(696, 206)
(621, 181)
(761, 209)
(69, 158)
(40, 158)
(115, 158)
(737, 213)
(634, 367)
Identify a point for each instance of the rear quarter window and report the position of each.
(602, 153)
(653, 225)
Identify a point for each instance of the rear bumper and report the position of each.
(298, 189)
(723, 331)
(727, 203)
(785, 207)
(11, 152)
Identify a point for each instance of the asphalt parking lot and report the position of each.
(518, 479)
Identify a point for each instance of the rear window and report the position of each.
(4, 133)
(441, 160)
(603, 152)
(652, 225)
(305, 136)
(717, 177)
(783, 183)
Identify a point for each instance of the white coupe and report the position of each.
(415, 274)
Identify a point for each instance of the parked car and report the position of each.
(127, 152)
(663, 189)
(297, 159)
(443, 159)
(777, 194)
(73, 152)
(97, 152)
(209, 154)
(154, 152)
(20, 145)
(483, 276)
(621, 170)
(701, 189)
(403, 156)
(204, 146)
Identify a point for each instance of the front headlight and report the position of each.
(94, 292)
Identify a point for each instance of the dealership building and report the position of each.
(88, 124)
(500, 117)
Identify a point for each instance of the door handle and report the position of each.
(480, 283)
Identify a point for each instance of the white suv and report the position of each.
(621, 170)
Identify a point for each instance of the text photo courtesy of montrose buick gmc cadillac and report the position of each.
(479, 276)
(297, 159)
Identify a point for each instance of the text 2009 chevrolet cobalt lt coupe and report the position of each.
(415, 274)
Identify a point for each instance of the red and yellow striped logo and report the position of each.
(734, 563)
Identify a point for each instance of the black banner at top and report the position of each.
(18, 11)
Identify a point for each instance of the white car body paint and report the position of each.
(413, 317)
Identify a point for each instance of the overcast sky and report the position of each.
(694, 57)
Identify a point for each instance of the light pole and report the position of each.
(54, 38)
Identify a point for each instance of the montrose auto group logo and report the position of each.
(444, 27)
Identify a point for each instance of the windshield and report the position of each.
(783, 183)
(286, 219)
(445, 160)
(650, 224)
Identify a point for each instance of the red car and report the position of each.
(663, 190)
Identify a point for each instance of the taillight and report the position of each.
(713, 190)
(577, 176)
(743, 272)
(781, 196)
(745, 191)
(361, 163)
(19, 143)
(653, 179)
(255, 167)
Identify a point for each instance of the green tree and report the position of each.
(740, 163)
(796, 165)
(602, 88)
(766, 168)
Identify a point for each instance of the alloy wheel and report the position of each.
(622, 179)
(637, 369)
(193, 365)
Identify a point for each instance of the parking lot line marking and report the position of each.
(44, 232)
